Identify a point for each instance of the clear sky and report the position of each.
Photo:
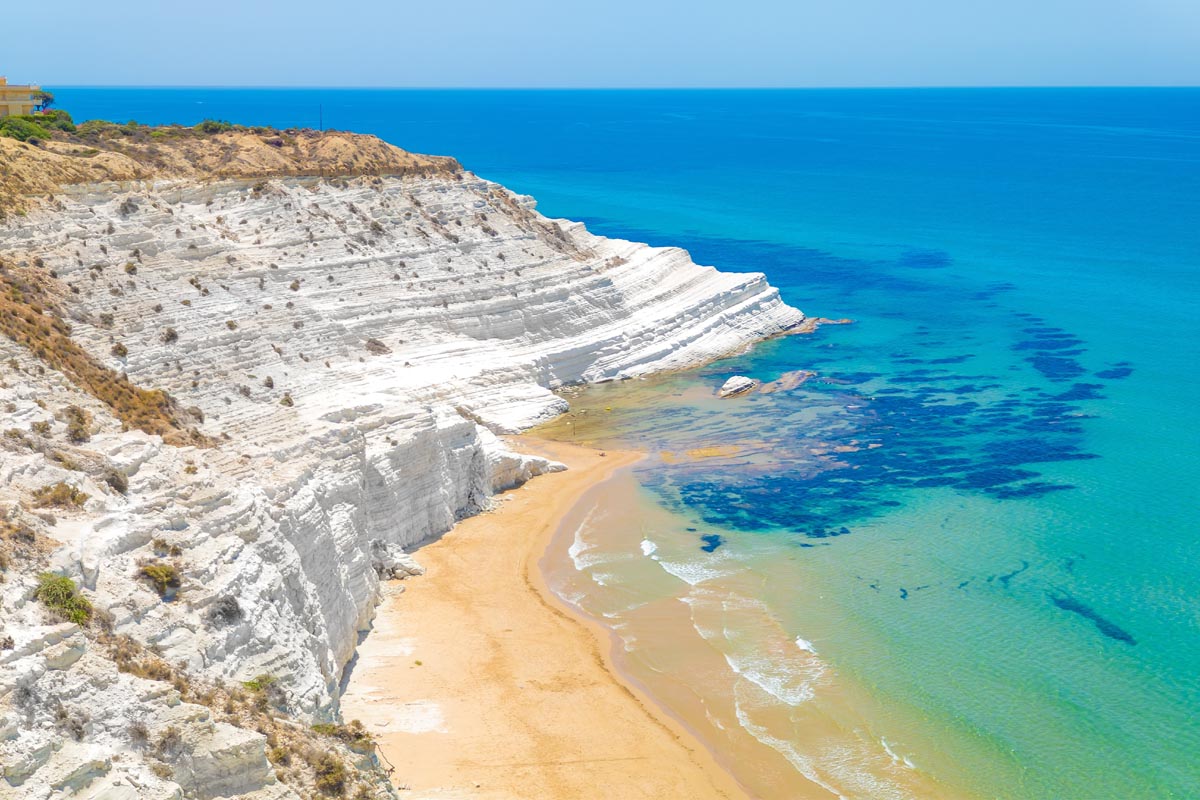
(603, 43)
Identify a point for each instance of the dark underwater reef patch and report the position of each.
(1007, 577)
(1053, 350)
(891, 418)
(1116, 372)
(924, 259)
(910, 438)
(1106, 627)
(836, 275)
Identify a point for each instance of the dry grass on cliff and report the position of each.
(100, 151)
(28, 317)
(315, 761)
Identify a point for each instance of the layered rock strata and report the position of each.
(347, 351)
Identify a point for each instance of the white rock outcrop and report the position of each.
(738, 384)
(353, 347)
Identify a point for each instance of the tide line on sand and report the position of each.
(477, 681)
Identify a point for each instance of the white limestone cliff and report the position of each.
(352, 348)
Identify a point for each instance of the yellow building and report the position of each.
(16, 99)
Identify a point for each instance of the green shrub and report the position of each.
(353, 734)
(215, 126)
(59, 495)
(57, 119)
(96, 127)
(22, 129)
(163, 577)
(59, 594)
(260, 683)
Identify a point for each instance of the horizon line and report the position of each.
(934, 87)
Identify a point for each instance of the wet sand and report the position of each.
(479, 683)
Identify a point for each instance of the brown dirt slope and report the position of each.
(29, 316)
(104, 152)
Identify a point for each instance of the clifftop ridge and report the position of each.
(98, 152)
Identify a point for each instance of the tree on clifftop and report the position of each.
(42, 100)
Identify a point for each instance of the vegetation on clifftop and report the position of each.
(36, 127)
(40, 153)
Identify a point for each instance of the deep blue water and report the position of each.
(1018, 527)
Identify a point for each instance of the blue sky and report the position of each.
(609, 43)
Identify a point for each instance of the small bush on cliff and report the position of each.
(66, 461)
(138, 734)
(59, 594)
(59, 495)
(280, 756)
(260, 683)
(267, 692)
(117, 480)
(353, 734)
(163, 548)
(331, 775)
(163, 577)
(170, 744)
(78, 423)
(225, 611)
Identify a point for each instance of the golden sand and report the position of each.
(478, 682)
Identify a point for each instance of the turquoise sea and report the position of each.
(982, 512)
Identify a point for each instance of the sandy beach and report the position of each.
(478, 683)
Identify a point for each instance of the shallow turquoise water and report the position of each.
(1015, 563)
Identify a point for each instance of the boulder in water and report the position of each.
(738, 384)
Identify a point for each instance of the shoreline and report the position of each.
(477, 680)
